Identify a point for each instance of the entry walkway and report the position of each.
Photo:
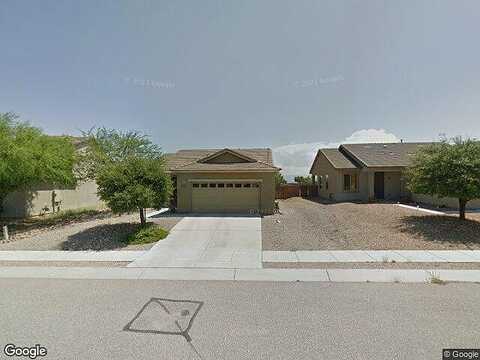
(233, 242)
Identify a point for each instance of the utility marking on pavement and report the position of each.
(166, 317)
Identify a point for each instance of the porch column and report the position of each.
(371, 185)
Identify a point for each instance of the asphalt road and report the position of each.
(85, 319)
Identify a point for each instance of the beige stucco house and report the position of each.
(224, 181)
(366, 172)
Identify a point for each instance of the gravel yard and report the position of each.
(310, 225)
(98, 234)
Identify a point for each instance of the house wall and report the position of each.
(267, 187)
(342, 195)
(25, 204)
(321, 169)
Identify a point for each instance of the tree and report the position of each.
(279, 179)
(129, 171)
(447, 170)
(29, 158)
(106, 146)
(305, 180)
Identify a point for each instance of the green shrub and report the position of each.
(147, 234)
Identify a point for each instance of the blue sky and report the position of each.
(290, 75)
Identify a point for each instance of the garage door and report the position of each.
(240, 197)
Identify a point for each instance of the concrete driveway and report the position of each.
(209, 242)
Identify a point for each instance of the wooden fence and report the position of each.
(286, 191)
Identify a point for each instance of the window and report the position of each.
(229, 185)
(350, 182)
(326, 182)
(204, 185)
(196, 185)
(320, 181)
(238, 185)
(255, 185)
(212, 185)
(221, 185)
(247, 185)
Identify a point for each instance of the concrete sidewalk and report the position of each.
(281, 275)
(66, 256)
(379, 256)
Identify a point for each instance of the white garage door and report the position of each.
(239, 197)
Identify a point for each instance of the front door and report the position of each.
(379, 186)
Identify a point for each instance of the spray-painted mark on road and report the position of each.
(166, 317)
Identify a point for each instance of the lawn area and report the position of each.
(315, 225)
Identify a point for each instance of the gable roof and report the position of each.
(337, 159)
(197, 160)
(382, 154)
(235, 154)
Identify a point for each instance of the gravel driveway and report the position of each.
(310, 225)
(99, 234)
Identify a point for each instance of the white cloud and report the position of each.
(296, 159)
(370, 136)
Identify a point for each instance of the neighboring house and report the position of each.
(367, 172)
(47, 199)
(223, 181)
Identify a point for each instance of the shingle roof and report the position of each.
(384, 154)
(337, 159)
(188, 160)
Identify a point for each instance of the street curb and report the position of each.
(276, 275)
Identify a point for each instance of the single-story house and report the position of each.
(223, 180)
(366, 172)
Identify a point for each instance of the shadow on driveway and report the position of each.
(100, 237)
(442, 229)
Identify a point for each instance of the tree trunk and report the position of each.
(2, 199)
(462, 205)
(142, 216)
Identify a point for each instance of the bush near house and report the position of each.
(129, 171)
(147, 234)
(30, 158)
(447, 170)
